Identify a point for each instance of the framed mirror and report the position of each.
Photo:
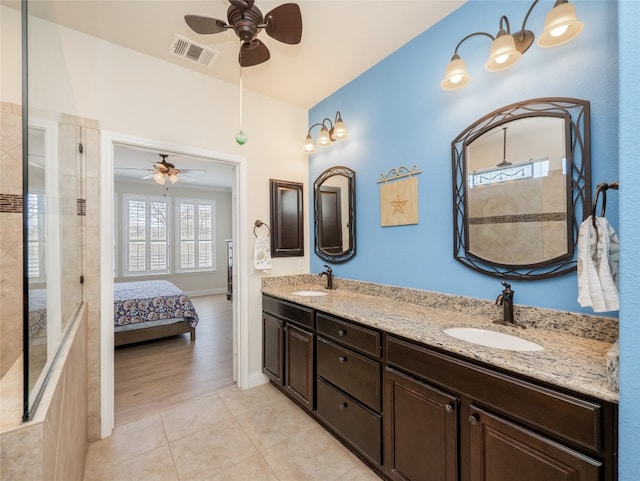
(521, 187)
(334, 200)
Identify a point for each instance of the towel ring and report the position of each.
(259, 223)
(602, 187)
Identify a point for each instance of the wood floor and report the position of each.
(152, 376)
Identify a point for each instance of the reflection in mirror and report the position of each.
(521, 184)
(334, 204)
(517, 198)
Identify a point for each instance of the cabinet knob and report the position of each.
(473, 419)
(449, 407)
(342, 332)
(343, 406)
(342, 359)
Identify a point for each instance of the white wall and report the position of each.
(10, 73)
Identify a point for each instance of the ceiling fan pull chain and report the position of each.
(241, 137)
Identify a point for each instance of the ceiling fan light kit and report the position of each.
(561, 26)
(337, 130)
(283, 23)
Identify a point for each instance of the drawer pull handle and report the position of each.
(342, 359)
(449, 407)
(473, 419)
(342, 332)
(343, 406)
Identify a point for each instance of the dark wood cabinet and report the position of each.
(349, 384)
(273, 348)
(508, 428)
(288, 349)
(421, 430)
(500, 450)
(417, 413)
(299, 349)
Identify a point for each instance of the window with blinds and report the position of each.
(146, 235)
(35, 234)
(195, 235)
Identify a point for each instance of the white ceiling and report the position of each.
(340, 40)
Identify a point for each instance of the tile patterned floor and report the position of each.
(253, 435)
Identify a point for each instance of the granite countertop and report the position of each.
(569, 361)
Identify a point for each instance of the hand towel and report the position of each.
(598, 261)
(262, 253)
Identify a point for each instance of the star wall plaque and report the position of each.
(399, 202)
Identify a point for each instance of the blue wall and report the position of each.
(629, 128)
(397, 114)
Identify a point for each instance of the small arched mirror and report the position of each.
(334, 200)
(522, 185)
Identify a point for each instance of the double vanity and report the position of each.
(423, 386)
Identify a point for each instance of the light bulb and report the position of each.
(557, 32)
(158, 177)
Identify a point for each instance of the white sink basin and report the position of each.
(485, 337)
(309, 293)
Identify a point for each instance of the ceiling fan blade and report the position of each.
(193, 171)
(242, 4)
(186, 178)
(284, 23)
(205, 25)
(253, 53)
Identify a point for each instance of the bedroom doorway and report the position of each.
(135, 160)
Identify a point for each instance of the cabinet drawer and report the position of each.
(359, 426)
(360, 338)
(563, 415)
(289, 311)
(351, 372)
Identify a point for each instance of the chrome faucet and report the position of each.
(505, 299)
(329, 274)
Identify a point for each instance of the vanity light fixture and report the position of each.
(561, 26)
(336, 130)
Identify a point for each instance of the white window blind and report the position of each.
(195, 231)
(146, 232)
(35, 236)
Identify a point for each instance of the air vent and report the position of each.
(192, 51)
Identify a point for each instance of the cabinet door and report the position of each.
(273, 348)
(420, 431)
(299, 365)
(503, 451)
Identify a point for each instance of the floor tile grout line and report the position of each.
(257, 448)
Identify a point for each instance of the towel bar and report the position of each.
(259, 223)
(601, 187)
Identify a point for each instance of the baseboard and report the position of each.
(257, 379)
(207, 292)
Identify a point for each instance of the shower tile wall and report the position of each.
(10, 235)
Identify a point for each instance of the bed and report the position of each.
(146, 310)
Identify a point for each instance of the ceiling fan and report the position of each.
(166, 170)
(283, 23)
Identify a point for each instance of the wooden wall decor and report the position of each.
(399, 198)
(287, 219)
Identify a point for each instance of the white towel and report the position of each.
(262, 253)
(598, 260)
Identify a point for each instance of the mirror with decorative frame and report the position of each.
(521, 177)
(334, 193)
